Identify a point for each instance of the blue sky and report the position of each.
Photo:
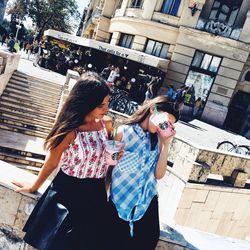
(82, 4)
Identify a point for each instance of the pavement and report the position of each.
(193, 239)
(205, 135)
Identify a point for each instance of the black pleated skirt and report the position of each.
(70, 215)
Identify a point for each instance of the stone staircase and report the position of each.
(28, 106)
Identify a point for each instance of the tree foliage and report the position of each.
(45, 14)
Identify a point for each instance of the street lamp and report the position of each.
(18, 26)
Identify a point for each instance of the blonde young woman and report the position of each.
(134, 201)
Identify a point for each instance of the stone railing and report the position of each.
(8, 64)
(194, 163)
(16, 207)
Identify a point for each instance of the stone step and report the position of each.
(35, 87)
(34, 108)
(29, 100)
(31, 169)
(17, 107)
(22, 130)
(32, 79)
(35, 93)
(21, 157)
(44, 121)
(24, 125)
(23, 153)
(20, 101)
(9, 91)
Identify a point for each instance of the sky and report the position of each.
(82, 4)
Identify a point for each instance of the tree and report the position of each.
(45, 14)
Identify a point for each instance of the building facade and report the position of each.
(206, 41)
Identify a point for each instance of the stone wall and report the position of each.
(16, 208)
(10, 62)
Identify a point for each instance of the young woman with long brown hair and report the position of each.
(71, 214)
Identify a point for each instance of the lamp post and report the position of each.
(18, 26)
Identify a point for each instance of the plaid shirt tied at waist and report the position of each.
(133, 182)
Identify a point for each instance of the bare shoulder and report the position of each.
(70, 137)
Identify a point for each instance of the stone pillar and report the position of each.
(124, 7)
(115, 38)
(108, 8)
(148, 9)
(139, 43)
(245, 33)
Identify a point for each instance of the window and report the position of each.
(136, 4)
(201, 75)
(170, 7)
(157, 49)
(126, 40)
(247, 76)
(225, 11)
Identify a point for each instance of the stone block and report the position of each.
(26, 206)
(175, 148)
(186, 60)
(201, 196)
(217, 162)
(199, 172)
(9, 204)
(211, 201)
(223, 202)
(187, 198)
(181, 215)
(212, 225)
(241, 204)
(191, 220)
(239, 178)
(227, 72)
(225, 224)
(229, 164)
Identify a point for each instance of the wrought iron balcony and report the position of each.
(219, 28)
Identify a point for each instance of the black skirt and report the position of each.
(146, 230)
(70, 215)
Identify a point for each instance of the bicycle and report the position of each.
(234, 148)
(120, 101)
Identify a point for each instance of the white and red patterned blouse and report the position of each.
(85, 158)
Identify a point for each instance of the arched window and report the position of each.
(247, 76)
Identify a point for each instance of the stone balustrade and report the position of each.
(8, 64)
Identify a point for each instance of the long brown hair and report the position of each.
(162, 103)
(87, 94)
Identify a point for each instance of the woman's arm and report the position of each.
(161, 165)
(51, 163)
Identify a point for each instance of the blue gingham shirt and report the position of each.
(133, 183)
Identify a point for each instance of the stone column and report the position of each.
(139, 43)
(148, 9)
(245, 33)
(124, 7)
(115, 38)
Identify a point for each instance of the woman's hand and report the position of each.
(23, 187)
(120, 153)
(166, 140)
